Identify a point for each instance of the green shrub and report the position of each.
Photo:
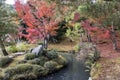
(29, 56)
(39, 61)
(29, 76)
(52, 54)
(22, 62)
(32, 61)
(61, 60)
(27, 70)
(18, 47)
(12, 49)
(5, 61)
(22, 46)
(40, 71)
(77, 48)
(42, 60)
(19, 69)
(51, 66)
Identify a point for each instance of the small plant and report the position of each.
(77, 48)
(22, 46)
(12, 49)
(52, 54)
(42, 60)
(30, 56)
(51, 66)
(5, 61)
(74, 32)
(19, 47)
(40, 71)
(61, 60)
(22, 62)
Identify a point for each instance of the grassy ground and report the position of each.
(64, 45)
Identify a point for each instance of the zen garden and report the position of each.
(59, 39)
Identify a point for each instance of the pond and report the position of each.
(74, 71)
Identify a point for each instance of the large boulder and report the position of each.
(37, 50)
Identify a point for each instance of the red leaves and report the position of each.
(76, 16)
(96, 31)
(38, 16)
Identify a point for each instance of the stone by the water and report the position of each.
(37, 50)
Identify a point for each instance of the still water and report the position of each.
(74, 71)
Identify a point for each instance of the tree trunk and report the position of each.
(114, 42)
(45, 44)
(88, 36)
(3, 48)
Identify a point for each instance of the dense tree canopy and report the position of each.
(6, 23)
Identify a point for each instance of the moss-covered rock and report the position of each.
(61, 60)
(26, 69)
(29, 76)
(40, 71)
(39, 61)
(5, 61)
(43, 60)
(52, 54)
(30, 56)
(22, 62)
(51, 66)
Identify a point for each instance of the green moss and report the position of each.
(29, 76)
(51, 66)
(40, 71)
(52, 54)
(27, 70)
(5, 61)
(30, 56)
(61, 60)
(39, 61)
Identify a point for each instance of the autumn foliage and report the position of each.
(39, 16)
(99, 33)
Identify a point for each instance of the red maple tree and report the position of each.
(39, 16)
(93, 31)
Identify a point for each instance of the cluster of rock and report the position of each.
(88, 54)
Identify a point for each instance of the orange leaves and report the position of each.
(45, 10)
(19, 7)
(51, 28)
(100, 33)
(39, 17)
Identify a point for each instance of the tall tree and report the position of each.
(105, 14)
(40, 17)
(6, 24)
